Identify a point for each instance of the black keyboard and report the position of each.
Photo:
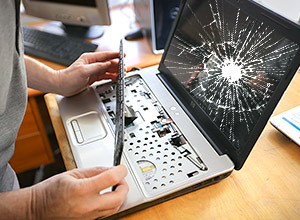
(59, 49)
(120, 104)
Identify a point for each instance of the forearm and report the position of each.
(41, 77)
(16, 204)
(87, 69)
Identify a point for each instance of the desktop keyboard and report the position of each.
(59, 49)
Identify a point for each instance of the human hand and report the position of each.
(75, 194)
(87, 69)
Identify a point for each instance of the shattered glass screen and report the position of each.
(229, 63)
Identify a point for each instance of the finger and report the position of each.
(87, 172)
(112, 69)
(99, 56)
(115, 67)
(101, 76)
(107, 179)
(113, 200)
(110, 73)
(112, 76)
(95, 69)
(114, 64)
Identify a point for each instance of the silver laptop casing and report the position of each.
(98, 149)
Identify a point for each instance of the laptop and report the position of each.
(288, 123)
(196, 118)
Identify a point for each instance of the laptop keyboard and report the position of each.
(119, 122)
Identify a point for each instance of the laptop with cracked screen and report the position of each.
(195, 119)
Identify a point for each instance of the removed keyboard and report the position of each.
(59, 49)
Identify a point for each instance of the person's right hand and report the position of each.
(87, 69)
(75, 194)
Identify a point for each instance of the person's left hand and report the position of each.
(87, 69)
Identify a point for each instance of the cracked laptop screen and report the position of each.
(229, 63)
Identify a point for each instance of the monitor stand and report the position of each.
(59, 28)
(134, 35)
(91, 32)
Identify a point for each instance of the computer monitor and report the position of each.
(287, 8)
(156, 18)
(82, 18)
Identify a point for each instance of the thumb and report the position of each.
(87, 172)
(107, 178)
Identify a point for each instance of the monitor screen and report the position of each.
(88, 13)
(156, 18)
(165, 12)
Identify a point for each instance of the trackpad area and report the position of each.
(87, 127)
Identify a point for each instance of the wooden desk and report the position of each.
(32, 146)
(267, 187)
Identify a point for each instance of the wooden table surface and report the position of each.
(268, 185)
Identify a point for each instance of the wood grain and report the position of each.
(32, 147)
(60, 131)
(268, 185)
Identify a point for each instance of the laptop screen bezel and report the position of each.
(217, 139)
